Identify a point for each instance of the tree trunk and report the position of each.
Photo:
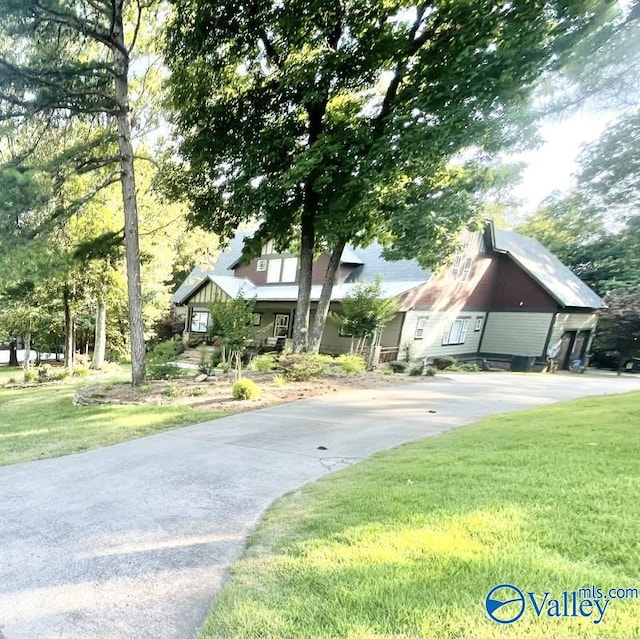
(325, 297)
(68, 331)
(100, 342)
(307, 245)
(27, 351)
(13, 353)
(127, 179)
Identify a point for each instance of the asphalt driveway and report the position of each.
(134, 540)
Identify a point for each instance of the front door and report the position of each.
(281, 325)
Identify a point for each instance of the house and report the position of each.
(504, 298)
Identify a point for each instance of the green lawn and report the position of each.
(41, 421)
(408, 544)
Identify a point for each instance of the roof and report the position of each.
(546, 269)
(374, 264)
(233, 286)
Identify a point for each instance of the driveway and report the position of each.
(133, 541)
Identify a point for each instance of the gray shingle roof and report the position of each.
(374, 265)
(544, 267)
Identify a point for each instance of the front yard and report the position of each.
(41, 421)
(408, 544)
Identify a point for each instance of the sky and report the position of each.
(551, 166)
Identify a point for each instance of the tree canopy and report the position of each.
(334, 121)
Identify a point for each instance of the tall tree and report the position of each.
(337, 121)
(62, 59)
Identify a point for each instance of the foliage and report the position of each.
(619, 325)
(317, 114)
(397, 367)
(31, 375)
(161, 360)
(280, 381)
(69, 64)
(364, 312)
(351, 364)
(232, 325)
(172, 391)
(301, 367)
(443, 362)
(415, 371)
(263, 363)
(563, 225)
(407, 351)
(245, 389)
(430, 371)
(469, 367)
(47, 373)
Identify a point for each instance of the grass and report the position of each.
(407, 545)
(41, 421)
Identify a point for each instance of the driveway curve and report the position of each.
(133, 541)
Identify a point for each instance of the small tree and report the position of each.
(619, 324)
(364, 314)
(233, 328)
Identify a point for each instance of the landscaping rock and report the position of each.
(203, 377)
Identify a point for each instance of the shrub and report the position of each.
(351, 364)
(279, 381)
(444, 362)
(415, 371)
(468, 368)
(398, 367)
(81, 371)
(172, 391)
(263, 363)
(31, 375)
(46, 373)
(431, 371)
(245, 389)
(161, 360)
(302, 367)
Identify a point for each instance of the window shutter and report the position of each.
(463, 333)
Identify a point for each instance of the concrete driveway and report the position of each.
(133, 541)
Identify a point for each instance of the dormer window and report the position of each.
(282, 270)
(466, 270)
(460, 270)
(455, 267)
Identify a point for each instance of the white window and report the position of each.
(281, 325)
(273, 271)
(421, 326)
(282, 270)
(455, 332)
(199, 321)
(289, 269)
(478, 325)
(455, 267)
(261, 265)
(466, 271)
